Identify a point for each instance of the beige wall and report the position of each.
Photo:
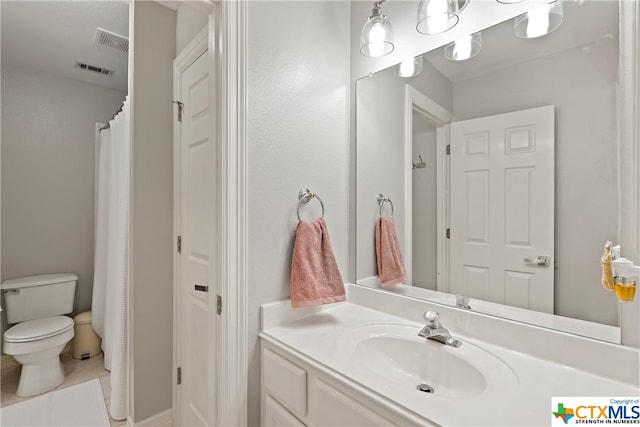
(154, 48)
(48, 128)
(190, 19)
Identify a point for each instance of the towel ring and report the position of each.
(381, 200)
(304, 196)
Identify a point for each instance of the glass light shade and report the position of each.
(464, 48)
(437, 16)
(376, 38)
(540, 21)
(409, 67)
(509, 1)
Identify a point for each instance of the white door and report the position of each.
(502, 208)
(196, 316)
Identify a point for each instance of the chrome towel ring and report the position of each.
(381, 201)
(304, 196)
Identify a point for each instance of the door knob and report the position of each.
(541, 260)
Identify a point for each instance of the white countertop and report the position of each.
(320, 337)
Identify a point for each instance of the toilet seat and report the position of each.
(39, 329)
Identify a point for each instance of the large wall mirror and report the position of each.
(503, 169)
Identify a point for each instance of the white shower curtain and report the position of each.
(111, 271)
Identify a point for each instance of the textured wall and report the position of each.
(298, 135)
(48, 148)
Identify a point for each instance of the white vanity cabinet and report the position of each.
(297, 392)
(349, 365)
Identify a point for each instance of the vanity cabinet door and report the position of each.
(332, 407)
(286, 381)
(298, 393)
(276, 415)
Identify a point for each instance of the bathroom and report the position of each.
(50, 110)
(310, 84)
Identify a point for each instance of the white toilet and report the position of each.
(36, 305)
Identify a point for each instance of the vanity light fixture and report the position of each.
(438, 16)
(464, 48)
(539, 21)
(376, 38)
(409, 67)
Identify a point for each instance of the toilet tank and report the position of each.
(35, 297)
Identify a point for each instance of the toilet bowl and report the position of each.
(36, 305)
(36, 345)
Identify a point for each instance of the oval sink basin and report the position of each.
(397, 354)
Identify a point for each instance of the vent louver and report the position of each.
(94, 68)
(112, 40)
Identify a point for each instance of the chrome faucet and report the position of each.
(434, 330)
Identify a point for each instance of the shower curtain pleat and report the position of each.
(111, 277)
(101, 232)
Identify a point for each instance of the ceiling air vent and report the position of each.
(94, 68)
(112, 40)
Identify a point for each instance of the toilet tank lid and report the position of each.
(42, 279)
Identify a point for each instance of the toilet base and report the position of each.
(40, 360)
(40, 377)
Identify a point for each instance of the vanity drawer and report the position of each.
(286, 381)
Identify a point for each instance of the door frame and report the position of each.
(226, 35)
(440, 117)
(228, 40)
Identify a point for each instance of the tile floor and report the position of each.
(76, 372)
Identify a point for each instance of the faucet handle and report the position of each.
(431, 316)
(462, 301)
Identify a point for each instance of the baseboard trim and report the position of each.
(7, 361)
(163, 419)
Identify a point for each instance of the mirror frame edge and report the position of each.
(629, 103)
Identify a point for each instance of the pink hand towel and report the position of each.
(315, 277)
(390, 265)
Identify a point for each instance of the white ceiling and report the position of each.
(52, 35)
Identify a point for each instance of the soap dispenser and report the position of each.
(626, 276)
(625, 279)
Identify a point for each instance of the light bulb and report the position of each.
(377, 36)
(462, 49)
(538, 22)
(438, 23)
(437, 16)
(407, 68)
